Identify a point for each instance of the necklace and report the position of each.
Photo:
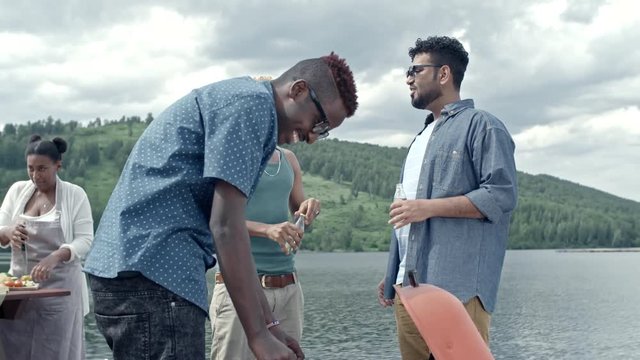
(45, 201)
(279, 164)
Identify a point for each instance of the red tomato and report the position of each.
(8, 283)
(18, 283)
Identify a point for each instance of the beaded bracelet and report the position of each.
(272, 324)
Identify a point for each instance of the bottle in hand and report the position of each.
(400, 194)
(299, 223)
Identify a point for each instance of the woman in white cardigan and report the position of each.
(48, 224)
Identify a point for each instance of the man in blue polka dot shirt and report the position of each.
(180, 199)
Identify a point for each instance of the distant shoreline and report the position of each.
(601, 250)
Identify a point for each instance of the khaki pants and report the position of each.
(229, 340)
(412, 345)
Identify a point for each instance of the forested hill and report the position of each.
(355, 182)
(551, 212)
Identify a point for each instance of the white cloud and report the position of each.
(159, 44)
(597, 150)
(177, 86)
(108, 71)
(389, 85)
(52, 90)
(20, 47)
(621, 124)
(561, 74)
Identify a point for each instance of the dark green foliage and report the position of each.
(551, 213)
(366, 168)
(556, 213)
(354, 181)
(94, 158)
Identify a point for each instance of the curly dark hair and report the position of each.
(326, 75)
(444, 50)
(52, 149)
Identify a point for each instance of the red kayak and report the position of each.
(443, 323)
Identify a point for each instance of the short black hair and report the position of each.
(52, 149)
(325, 75)
(446, 51)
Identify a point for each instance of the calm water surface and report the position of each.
(551, 306)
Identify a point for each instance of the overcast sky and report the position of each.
(564, 76)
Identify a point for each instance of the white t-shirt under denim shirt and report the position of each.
(410, 177)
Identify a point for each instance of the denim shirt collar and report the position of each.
(450, 110)
(455, 107)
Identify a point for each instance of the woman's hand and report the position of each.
(17, 235)
(285, 233)
(291, 343)
(310, 208)
(43, 270)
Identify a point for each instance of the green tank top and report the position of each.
(269, 204)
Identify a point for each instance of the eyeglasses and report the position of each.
(411, 72)
(321, 128)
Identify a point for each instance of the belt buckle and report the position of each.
(263, 281)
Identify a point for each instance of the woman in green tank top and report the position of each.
(279, 197)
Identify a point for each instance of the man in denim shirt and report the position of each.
(181, 198)
(460, 182)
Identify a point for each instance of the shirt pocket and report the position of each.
(448, 176)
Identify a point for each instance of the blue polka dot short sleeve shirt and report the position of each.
(157, 219)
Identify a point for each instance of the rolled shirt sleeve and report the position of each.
(82, 227)
(8, 208)
(493, 153)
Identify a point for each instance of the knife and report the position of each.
(24, 258)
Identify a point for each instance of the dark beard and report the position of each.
(423, 102)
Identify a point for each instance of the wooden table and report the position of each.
(14, 298)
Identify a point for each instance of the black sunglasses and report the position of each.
(411, 72)
(321, 128)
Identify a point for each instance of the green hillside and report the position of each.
(355, 183)
(346, 222)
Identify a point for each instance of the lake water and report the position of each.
(551, 305)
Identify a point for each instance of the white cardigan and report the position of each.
(75, 217)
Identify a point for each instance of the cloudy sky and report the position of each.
(564, 75)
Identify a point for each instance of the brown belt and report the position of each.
(268, 281)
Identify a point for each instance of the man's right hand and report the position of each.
(384, 302)
(267, 347)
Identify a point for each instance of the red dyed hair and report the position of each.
(345, 83)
